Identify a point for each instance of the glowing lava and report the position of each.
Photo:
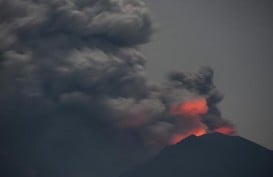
(179, 137)
(192, 108)
(227, 130)
(195, 108)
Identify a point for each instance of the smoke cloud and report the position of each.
(74, 96)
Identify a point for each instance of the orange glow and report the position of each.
(192, 108)
(179, 137)
(227, 130)
(200, 132)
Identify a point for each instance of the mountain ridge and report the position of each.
(210, 155)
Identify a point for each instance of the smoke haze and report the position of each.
(74, 96)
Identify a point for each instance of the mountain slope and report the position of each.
(211, 155)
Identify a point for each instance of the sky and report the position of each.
(235, 38)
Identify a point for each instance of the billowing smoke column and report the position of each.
(66, 63)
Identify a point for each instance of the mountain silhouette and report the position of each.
(211, 155)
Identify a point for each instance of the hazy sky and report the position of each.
(235, 38)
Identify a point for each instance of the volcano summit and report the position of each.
(210, 155)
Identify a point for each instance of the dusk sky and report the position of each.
(235, 38)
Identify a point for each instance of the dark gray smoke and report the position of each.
(74, 97)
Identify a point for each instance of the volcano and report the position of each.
(210, 155)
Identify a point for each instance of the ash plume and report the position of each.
(73, 80)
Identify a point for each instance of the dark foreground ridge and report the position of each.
(211, 155)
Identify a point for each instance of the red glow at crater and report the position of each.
(227, 130)
(180, 136)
